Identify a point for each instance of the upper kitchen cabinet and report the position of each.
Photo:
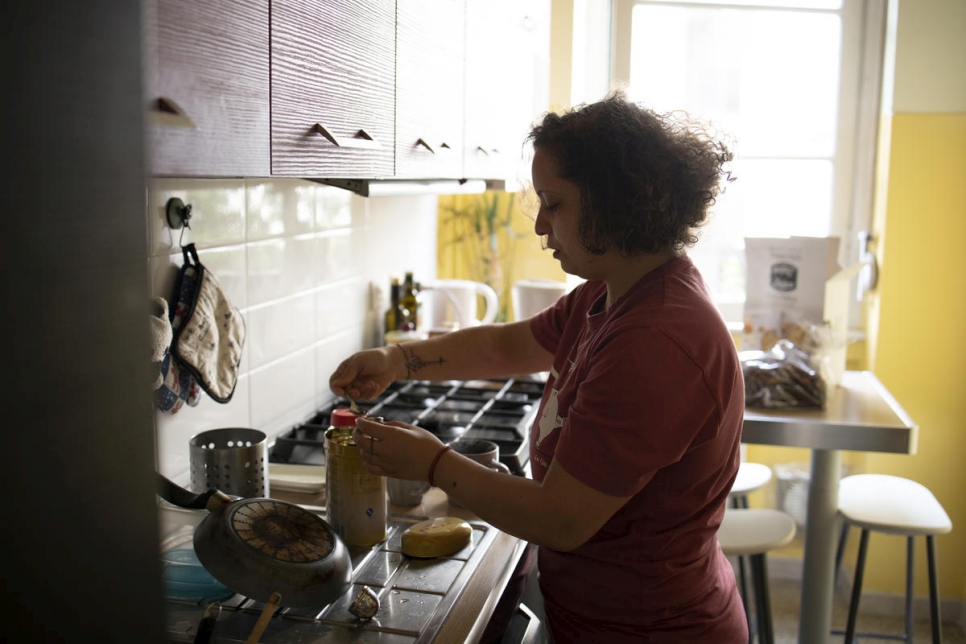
(430, 37)
(207, 87)
(507, 83)
(333, 88)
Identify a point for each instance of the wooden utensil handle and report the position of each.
(262, 622)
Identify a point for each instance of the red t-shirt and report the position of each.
(645, 400)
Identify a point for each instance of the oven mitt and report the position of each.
(173, 387)
(177, 387)
(208, 331)
(160, 338)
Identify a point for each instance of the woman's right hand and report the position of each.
(366, 374)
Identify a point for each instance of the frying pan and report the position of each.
(258, 547)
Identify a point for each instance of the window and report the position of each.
(795, 82)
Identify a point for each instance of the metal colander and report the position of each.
(233, 460)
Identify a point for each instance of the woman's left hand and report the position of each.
(395, 448)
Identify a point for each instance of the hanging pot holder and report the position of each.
(208, 331)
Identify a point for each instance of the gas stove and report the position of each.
(498, 410)
(416, 595)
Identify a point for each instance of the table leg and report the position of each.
(818, 565)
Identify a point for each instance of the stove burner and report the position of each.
(282, 531)
(448, 409)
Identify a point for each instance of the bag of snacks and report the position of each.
(783, 376)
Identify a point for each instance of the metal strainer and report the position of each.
(232, 460)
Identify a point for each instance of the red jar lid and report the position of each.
(342, 417)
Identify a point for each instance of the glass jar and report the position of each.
(355, 503)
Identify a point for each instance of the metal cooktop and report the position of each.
(415, 594)
(499, 410)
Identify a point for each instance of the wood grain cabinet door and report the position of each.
(332, 88)
(207, 88)
(430, 41)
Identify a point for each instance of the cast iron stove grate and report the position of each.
(498, 410)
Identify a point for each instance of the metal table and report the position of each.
(860, 415)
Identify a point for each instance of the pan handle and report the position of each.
(173, 493)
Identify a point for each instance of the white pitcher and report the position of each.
(452, 304)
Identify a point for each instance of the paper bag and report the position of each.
(797, 291)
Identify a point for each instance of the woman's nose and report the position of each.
(540, 225)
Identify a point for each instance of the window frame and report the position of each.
(860, 103)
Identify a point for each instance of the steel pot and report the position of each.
(257, 547)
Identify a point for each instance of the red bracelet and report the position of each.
(432, 466)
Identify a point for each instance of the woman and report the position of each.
(637, 442)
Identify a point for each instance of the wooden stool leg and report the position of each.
(857, 587)
(759, 572)
(937, 633)
(910, 553)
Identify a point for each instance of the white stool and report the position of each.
(751, 478)
(752, 533)
(897, 506)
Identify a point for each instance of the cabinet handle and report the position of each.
(443, 146)
(165, 111)
(362, 139)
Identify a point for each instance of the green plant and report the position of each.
(476, 230)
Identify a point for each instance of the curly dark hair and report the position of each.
(646, 179)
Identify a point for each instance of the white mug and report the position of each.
(532, 296)
(483, 452)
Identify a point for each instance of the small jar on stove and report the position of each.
(355, 503)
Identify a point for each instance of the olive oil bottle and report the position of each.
(397, 317)
(408, 300)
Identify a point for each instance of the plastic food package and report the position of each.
(783, 376)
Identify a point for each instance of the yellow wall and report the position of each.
(916, 347)
(467, 250)
(920, 353)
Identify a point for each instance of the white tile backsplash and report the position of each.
(342, 306)
(308, 266)
(285, 386)
(281, 328)
(281, 267)
(281, 207)
(218, 213)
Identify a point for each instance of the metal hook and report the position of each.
(178, 215)
(869, 274)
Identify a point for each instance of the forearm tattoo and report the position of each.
(414, 363)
